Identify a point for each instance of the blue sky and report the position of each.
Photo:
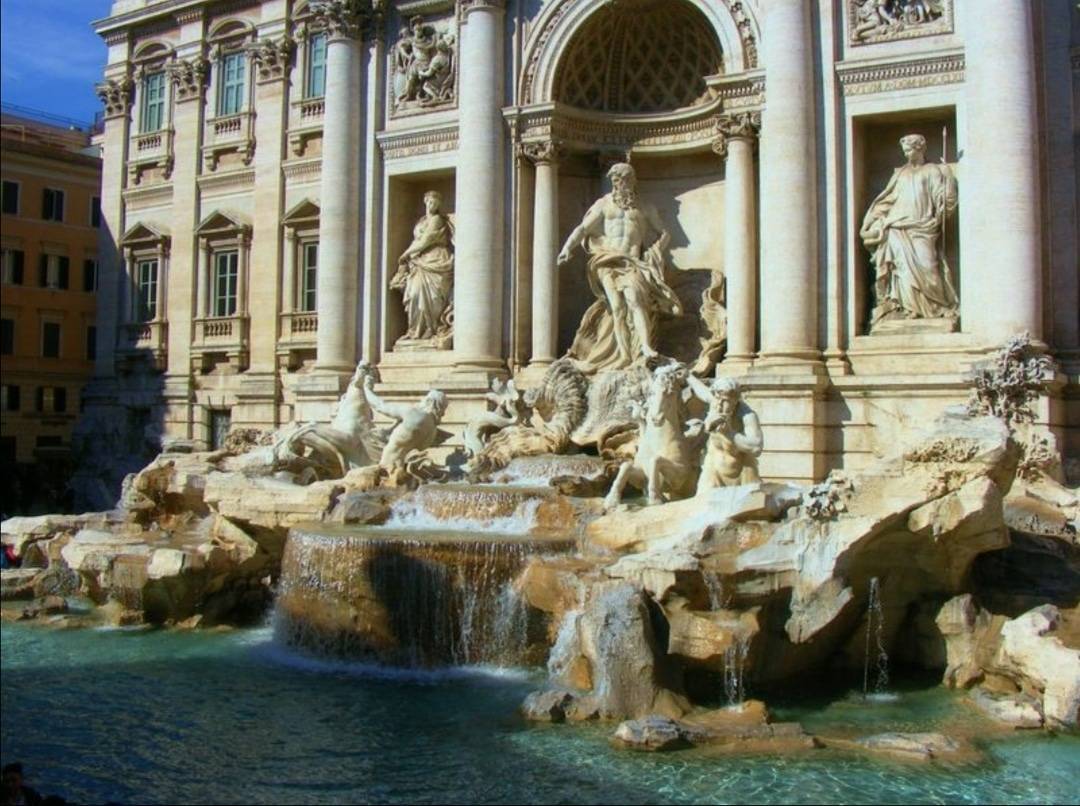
(50, 58)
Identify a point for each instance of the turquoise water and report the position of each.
(165, 717)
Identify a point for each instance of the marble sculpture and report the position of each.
(425, 277)
(903, 230)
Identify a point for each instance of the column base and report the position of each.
(479, 371)
(734, 365)
(795, 362)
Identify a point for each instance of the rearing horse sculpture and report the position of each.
(669, 449)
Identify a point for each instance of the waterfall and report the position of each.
(715, 588)
(875, 642)
(406, 598)
(468, 508)
(735, 670)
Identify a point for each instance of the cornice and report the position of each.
(242, 178)
(398, 145)
(302, 169)
(864, 78)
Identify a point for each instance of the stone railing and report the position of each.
(305, 122)
(229, 133)
(144, 341)
(151, 150)
(299, 331)
(220, 336)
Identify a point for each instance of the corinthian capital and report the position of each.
(542, 152)
(272, 57)
(189, 77)
(115, 93)
(465, 6)
(349, 19)
(740, 126)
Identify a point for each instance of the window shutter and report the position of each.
(39, 403)
(13, 398)
(46, 204)
(43, 271)
(60, 399)
(17, 259)
(88, 275)
(64, 265)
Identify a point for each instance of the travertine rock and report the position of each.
(1030, 649)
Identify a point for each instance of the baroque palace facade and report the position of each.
(290, 187)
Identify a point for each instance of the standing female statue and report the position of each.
(425, 277)
(902, 229)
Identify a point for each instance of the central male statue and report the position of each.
(625, 241)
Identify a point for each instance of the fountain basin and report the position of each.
(498, 509)
(411, 597)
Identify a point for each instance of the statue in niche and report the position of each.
(423, 66)
(903, 231)
(425, 277)
(874, 20)
(626, 242)
(733, 432)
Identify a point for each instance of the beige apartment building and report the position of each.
(49, 252)
(266, 164)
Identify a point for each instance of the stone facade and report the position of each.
(282, 179)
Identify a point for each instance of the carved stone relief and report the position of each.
(116, 95)
(189, 77)
(424, 66)
(872, 21)
(272, 57)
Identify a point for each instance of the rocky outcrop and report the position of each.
(1027, 669)
(611, 646)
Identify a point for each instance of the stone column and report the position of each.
(478, 264)
(116, 95)
(789, 270)
(735, 141)
(289, 279)
(202, 280)
(164, 270)
(243, 250)
(188, 77)
(339, 218)
(1000, 178)
(545, 249)
(272, 59)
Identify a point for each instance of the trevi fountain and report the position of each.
(613, 571)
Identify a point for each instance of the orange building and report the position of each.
(48, 247)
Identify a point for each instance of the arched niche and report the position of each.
(557, 26)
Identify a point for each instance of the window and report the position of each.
(50, 339)
(146, 280)
(91, 342)
(52, 204)
(7, 336)
(231, 100)
(53, 271)
(59, 399)
(11, 198)
(95, 212)
(12, 266)
(90, 275)
(308, 276)
(225, 279)
(51, 399)
(152, 114)
(316, 77)
(7, 449)
(9, 397)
